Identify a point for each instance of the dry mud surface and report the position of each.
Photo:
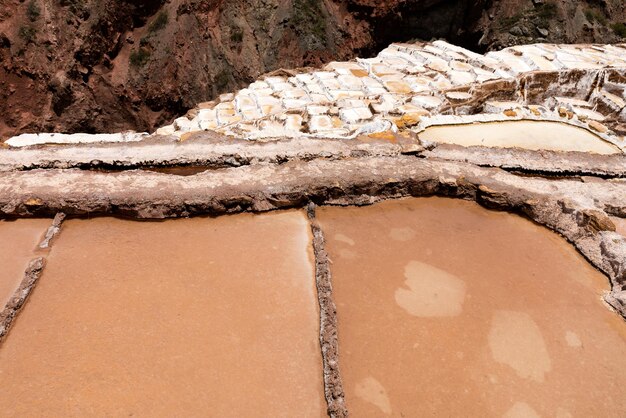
(446, 309)
(170, 318)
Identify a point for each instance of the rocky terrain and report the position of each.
(113, 65)
(536, 129)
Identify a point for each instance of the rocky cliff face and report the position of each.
(111, 65)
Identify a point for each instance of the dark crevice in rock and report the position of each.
(556, 175)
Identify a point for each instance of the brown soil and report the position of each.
(186, 317)
(18, 241)
(447, 309)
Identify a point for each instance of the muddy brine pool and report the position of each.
(447, 309)
(18, 244)
(532, 135)
(191, 317)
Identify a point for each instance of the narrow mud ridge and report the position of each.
(32, 274)
(333, 387)
(53, 231)
(202, 150)
(205, 153)
(544, 163)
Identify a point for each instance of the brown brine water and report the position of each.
(18, 244)
(448, 309)
(620, 225)
(193, 317)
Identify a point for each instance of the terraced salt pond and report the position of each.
(444, 309)
(18, 241)
(447, 309)
(532, 135)
(193, 317)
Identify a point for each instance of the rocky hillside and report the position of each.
(111, 65)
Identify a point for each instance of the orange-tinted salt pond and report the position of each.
(447, 309)
(18, 242)
(194, 317)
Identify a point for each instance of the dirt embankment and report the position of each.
(112, 65)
